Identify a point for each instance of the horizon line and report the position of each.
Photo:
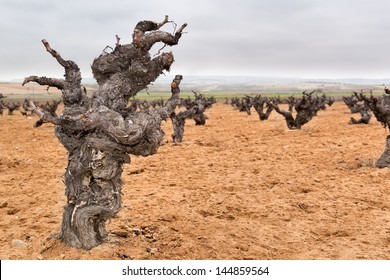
(301, 79)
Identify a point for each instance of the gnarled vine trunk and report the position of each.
(380, 106)
(306, 107)
(384, 160)
(100, 132)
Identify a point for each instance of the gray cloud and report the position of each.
(306, 38)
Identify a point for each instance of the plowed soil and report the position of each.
(236, 188)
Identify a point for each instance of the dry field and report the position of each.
(236, 188)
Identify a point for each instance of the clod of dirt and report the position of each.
(152, 250)
(136, 171)
(19, 243)
(123, 234)
(4, 204)
(12, 211)
(124, 256)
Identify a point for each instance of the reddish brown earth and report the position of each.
(236, 188)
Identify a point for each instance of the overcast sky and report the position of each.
(287, 38)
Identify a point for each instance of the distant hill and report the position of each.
(269, 84)
(239, 84)
(249, 80)
(258, 80)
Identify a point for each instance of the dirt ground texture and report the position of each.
(236, 188)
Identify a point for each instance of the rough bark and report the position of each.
(195, 109)
(384, 160)
(100, 132)
(11, 107)
(306, 108)
(202, 103)
(380, 106)
(2, 106)
(365, 116)
(258, 104)
(178, 123)
(288, 116)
